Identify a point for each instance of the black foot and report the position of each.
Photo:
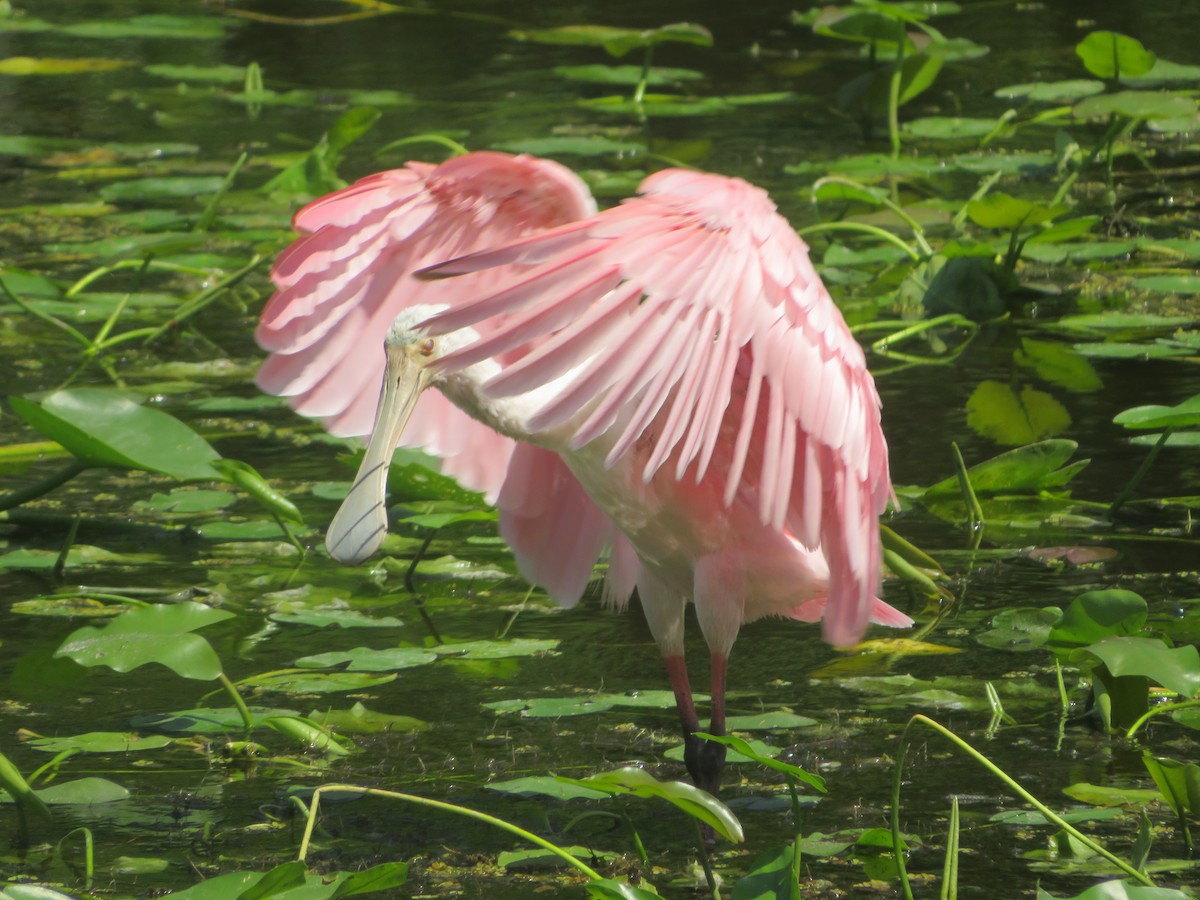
(705, 762)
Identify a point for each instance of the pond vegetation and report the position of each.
(201, 704)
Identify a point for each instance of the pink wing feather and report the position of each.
(695, 306)
(342, 284)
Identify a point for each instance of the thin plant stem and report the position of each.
(797, 853)
(897, 772)
(861, 228)
(1127, 491)
(1157, 711)
(89, 853)
(243, 710)
(705, 861)
(45, 486)
(950, 870)
(445, 807)
(450, 144)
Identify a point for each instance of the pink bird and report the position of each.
(667, 381)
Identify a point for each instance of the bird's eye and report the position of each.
(427, 347)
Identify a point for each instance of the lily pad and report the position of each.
(107, 428)
(996, 411)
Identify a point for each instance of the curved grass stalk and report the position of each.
(89, 853)
(242, 708)
(512, 829)
(898, 842)
(1157, 711)
(44, 486)
(861, 228)
(450, 144)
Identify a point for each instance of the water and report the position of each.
(204, 811)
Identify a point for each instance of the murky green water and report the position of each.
(204, 812)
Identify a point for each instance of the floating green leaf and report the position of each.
(1107, 54)
(1154, 418)
(363, 659)
(1136, 105)
(1059, 364)
(107, 428)
(26, 65)
(617, 41)
(100, 742)
(546, 786)
(1051, 91)
(696, 803)
(996, 411)
(1175, 668)
(1096, 615)
(1001, 211)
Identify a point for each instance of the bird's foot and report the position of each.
(705, 762)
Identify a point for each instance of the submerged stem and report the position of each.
(242, 708)
(446, 807)
(45, 486)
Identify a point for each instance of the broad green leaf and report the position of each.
(188, 655)
(377, 878)
(300, 682)
(363, 659)
(1051, 91)
(611, 889)
(657, 76)
(546, 786)
(1136, 105)
(224, 74)
(188, 501)
(1120, 890)
(360, 720)
(1169, 284)
(157, 188)
(1108, 795)
(27, 65)
(948, 128)
(590, 145)
(342, 618)
(150, 26)
(1059, 364)
(1024, 628)
(1002, 211)
(617, 41)
(554, 707)
(1016, 163)
(778, 719)
(276, 881)
(106, 428)
(694, 802)
(1107, 54)
(769, 878)
(495, 649)
(1145, 418)
(1175, 668)
(997, 412)
(224, 720)
(746, 750)
(80, 792)
(538, 858)
(1095, 615)
(167, 619)
(100, 742)
(1178, 783)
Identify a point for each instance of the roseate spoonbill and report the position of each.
(667, 379)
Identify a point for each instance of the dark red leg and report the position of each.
(705, 760)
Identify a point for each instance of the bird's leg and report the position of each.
(710, 756)
(677, 672)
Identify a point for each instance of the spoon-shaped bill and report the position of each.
(361, 523)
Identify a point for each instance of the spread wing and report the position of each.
(343, 282)
(691, 318)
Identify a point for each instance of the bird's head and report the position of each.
(361, 523)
